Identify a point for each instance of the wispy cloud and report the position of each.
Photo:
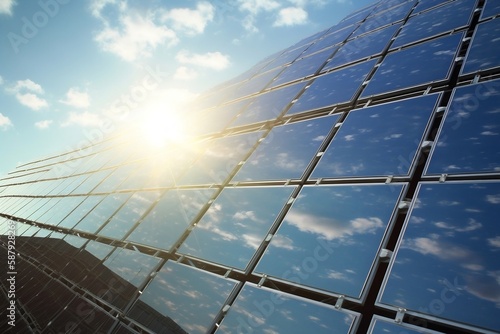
(6, 6)
(32, 101)
(5, 122)
(495, 242)
(284, 161)
(445, 251)
(134, 33)
(291, 16)
(97, 6)
(76, 98)
(281, 241)
(190, 21)
(253, 8)
(247, 215)
(28, 85)
(26, 92)
(212, 60)
(472, 225)
(252, 240)
(256, 6)
(331, 229)
(485, 287)
(332, 274)
(137, 36)
(45, 124)
(493, 199)
(431, 246)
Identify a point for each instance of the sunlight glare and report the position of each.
(161, 128)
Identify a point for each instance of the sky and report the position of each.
(70, 68)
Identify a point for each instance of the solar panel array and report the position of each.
(347, 184)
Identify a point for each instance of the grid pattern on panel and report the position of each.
(347, 184)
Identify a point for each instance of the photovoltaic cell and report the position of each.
(268, 106)
(347, 220)
(491, 8)
(373, 140)
(423, 5)
(188, 296)
(294, 315)
(286, 151)
(484, 49)
(409, 67)
(380, 19)
(329, 41)
(468, 140)
(303, 67)
(364, 46)
(333, 88)
(236, 223)
(455, 15)
(450, 249)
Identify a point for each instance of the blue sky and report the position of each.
(68, 67)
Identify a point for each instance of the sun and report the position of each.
(161, 128)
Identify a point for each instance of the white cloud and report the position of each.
(252, 241)
(494, 242)
(493, 199)
(473, 266)
(132, 33)
(27, 85)
(332, 274)
(213, 60)
(329, 228)
(451, 167)
(31, 101)
(472, 225)
(366, 225)
(5, 122)
(319, 138)
(96, 6)
(223, 234)
(489, 133)
(303, 3)
(291, 16)
(76, 98)
(26, 93)
(253, 8)
(285, 162)
(185, 73)
(417, 220)
(248, 24)
(393, 136)
(280, 241)
(445, 251)
(246, 215)
(138, 36)
(1, 80)
(256, 6)
(85, 119)
(6, 6)
(192, 21)
(430, 246)
(43, 124)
